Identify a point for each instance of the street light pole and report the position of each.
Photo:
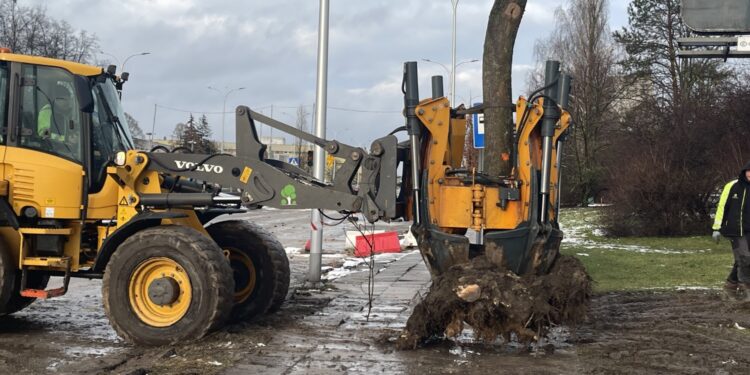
(224, 111)
(153, 126)
(321, 94)
(131, 56)
(450, 74)
(453, 53)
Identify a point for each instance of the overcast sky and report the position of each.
(269, 47)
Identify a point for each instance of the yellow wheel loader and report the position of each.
(78, 200)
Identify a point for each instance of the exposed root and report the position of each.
(497, 302)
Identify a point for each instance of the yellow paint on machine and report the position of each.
(37, 178)
(73, 67)
(246, 174)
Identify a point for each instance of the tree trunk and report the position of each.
(505, 18)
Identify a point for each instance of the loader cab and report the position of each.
(62, 123)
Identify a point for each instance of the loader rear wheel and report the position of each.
(167, 284)
(11, 300)
(259, 265)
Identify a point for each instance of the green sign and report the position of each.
(289, 195)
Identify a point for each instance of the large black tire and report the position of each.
(11, 300)
(194, 255)
(269, 262)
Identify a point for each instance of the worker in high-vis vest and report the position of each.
(733, 222)
(53, 116)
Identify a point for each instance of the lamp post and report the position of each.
(224, 109)
(453, 53)
(451, 75)
(126, 59)
(321, 99)
(131, 56)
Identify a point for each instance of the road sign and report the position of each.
(294, 161)
(477, 123)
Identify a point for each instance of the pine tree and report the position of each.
(207, 146)
(195, 136)
(650, 41)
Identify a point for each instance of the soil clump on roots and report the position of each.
(497, 302)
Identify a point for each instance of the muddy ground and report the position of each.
(327, 331)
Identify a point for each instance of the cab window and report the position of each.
(3, 100)
(50, 118)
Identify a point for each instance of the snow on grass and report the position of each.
(581, 232)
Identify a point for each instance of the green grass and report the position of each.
(638, 263)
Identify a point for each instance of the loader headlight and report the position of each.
(120, 158)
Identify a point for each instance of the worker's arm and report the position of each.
(722, 202)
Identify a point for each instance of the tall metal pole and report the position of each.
(224, 111)
(153, 127)
(223, 116)
(453, 54)
(321, 94)
(270, 137)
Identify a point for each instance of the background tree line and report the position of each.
(30, 30)
(653, 134)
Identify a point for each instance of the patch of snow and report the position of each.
(738, 326)
(457, 350)
(408, 241)
(352, 263)
(582, 254)
(338, 273)
(293, 250)
(681, 287)
(692, 287)
(215, 363)
(83, 351)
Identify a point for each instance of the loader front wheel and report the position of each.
(259, 265)
(167, 284)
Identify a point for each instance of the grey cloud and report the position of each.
(269, 47)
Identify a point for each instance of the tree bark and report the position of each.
(502, 28)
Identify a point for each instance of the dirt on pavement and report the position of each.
(684, 332)
(687, 332)
(327, 331)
